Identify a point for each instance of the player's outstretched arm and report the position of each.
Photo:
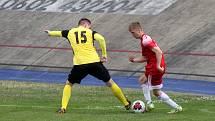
(102, 45)
(54, 33)
(133, 59)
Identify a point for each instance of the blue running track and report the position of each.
(178, 85)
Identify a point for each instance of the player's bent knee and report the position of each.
(110, 83)
(142, 80)
(68, 83)
(156, 92)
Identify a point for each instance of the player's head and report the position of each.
(85, 23)
(136, 30)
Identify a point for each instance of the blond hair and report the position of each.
(135, 25)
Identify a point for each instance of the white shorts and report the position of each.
(157, 86)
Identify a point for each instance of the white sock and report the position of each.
(165, 98)
(146, 92)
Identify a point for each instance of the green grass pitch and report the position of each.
(28, 101)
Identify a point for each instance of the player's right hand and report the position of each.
(46, 31)
(103, 59)
(131, 58)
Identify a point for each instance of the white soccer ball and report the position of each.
(138, 106)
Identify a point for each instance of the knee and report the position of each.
(110, 83)
(156, 93)
(68, 83)
(142, 80)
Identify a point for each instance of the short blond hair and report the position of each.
(135, 25)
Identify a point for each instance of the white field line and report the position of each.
(24, 106)
(206, 111)
(91, 108)
(84, 108)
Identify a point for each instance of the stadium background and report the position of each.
(184, 29)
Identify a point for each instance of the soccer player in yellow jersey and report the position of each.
(86, 60)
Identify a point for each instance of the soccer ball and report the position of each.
(138, 106)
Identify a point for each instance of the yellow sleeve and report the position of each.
(55, 33)
(102, 43)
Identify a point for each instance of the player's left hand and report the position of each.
(103, 59)
(160, 69)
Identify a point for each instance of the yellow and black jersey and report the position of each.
(82, 42)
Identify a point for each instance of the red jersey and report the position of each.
(147, 43)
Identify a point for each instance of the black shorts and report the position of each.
(96, 69)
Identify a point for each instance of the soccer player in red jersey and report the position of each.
(154, 70)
